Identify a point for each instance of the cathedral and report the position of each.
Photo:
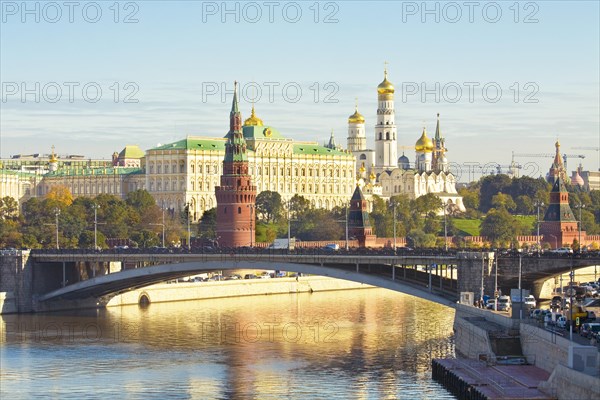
(382, 173)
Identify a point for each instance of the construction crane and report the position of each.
(549, 155)
(596, 149)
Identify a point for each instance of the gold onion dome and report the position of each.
(253, 120)
(356, 118)
(386, 86)
(424, 144)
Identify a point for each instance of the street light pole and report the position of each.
(346, 226)
(580, 206)
(445, 230)
(520, 291)
(538, 204)
(56, 214)
(394, 226)
(95, 207)
(289, 218)
(189, 238)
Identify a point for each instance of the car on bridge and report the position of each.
(504, 303)
(590, 329)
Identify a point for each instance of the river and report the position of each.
(369, 343)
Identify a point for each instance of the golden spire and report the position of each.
(53, 157)
(357, 117)
(253, 120)
(385, 87)
(424, 144)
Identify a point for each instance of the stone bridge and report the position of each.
(42, 278)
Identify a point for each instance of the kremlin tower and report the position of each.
(358, 220)
(236, 196)
(559, 226)
(357, 138)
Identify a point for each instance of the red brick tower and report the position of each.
(236, 196)
(559, 226)
(358, 220)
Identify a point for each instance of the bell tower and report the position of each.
(236, 196)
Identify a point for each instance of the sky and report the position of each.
(92, 77)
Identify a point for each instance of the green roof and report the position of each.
(309, 148)
(94, 171)
(22, 174)
(131, 151)
(195, 144)
(261, 132)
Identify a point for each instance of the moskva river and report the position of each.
(356, 344)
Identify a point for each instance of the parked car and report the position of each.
(504, 303)
(530, 301)
(331, 247)
(490, 304)
(589, 329)
(250, 276)
(561, 322)
(562, 250)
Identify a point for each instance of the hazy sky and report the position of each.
(162, 69)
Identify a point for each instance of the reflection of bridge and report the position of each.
(41, 277)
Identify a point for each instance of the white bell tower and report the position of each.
(386, 145)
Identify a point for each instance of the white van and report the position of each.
(504, 303)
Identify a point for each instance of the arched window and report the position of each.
(380, 135)
(239, 210)
(387, 136)
(363, 156)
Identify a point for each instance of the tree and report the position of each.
(9, 208)
(491, 185)
(140, 200)
(60, 194)
(418, 238)
(498, 226)
(504, 201)
(524, 205)
(298, 205)
(269, 206)
(207, 227)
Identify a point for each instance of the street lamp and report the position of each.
(251, 206)
(56, 214)
(445, 229)
(538, 204)
(580, 206)
(394, 226)
(95, 207)
(189, 238)
(347, 226)
(555, 241)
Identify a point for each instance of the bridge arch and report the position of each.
(124, 281)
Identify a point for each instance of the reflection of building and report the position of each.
(236, 196)
(381, 173)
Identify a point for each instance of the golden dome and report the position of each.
(356, 118)
(424, 144)
(253, 120)
(386, 86)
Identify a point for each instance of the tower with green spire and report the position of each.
(236, 196)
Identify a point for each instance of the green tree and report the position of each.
(269, 207)
(524, 205)
(418, 238)
(140, 200)
(491, 185)
(207, 227)
(9, 208)
(502, 200)
(499, 227)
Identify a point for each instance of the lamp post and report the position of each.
(251, 206)
(95, 207)
(189, 238)
(580, 206)
(538, 204)
(347, 226)
(555, 241)
(289, 225)
(520, 290)
(445, 229)
(572, 276)
(56, 214)
(394, 227)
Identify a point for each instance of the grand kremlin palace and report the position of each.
(187, 171)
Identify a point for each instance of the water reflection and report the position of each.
(368, 343)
